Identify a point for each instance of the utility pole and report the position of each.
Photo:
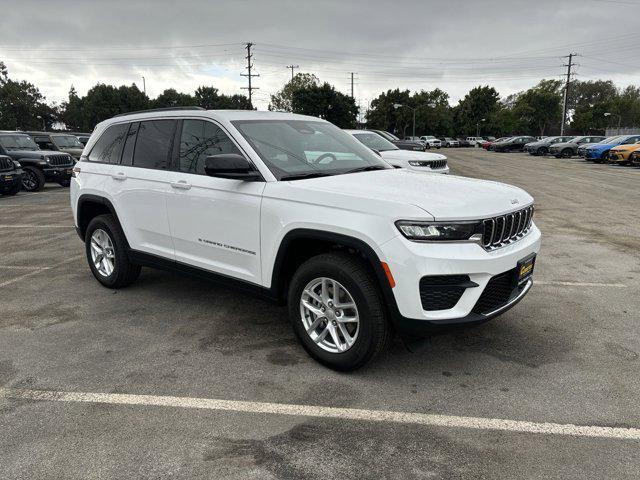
(144, 85)
(352, 84)
(292, 67)
(566, 91)
(249, 75)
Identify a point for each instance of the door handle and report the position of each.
(119, 176)
(181, 185)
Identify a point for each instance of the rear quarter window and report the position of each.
(109, 146)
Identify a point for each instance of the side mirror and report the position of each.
(230, 165)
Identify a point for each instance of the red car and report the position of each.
(486, 143)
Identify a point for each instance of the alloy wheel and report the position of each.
(329, 315)
(29, 181)
(102, 253)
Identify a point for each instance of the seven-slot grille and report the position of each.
(505, 229)
(434, 164)
(6, 163)
(59, 160)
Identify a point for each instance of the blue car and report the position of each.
(598, 151)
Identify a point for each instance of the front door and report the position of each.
(215, 222)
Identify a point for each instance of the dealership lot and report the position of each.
(567, 354)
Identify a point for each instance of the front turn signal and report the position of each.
(75, 172)
(387, 272)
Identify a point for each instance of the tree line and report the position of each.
(537, 110)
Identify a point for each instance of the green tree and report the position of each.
(384, 116)
(539, 108)
(209, 98)
(588, 102)
(325, 102)
(480, 103)
(281, 101)
(172, 98)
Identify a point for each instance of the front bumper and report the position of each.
(10, 178)
(618, 157)
(410, 261)
(57, 174)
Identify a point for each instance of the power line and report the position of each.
(249, 75)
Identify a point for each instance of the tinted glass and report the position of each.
(109, 146)
(18, 142)
(154, 143)
(129, 144)
(200, 139)
(300, 147)
(633, 139)
(374, 141)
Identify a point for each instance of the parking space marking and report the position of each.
(39, 270)
(425, 419)
(580, 284)
(19, 267)
(36, 226)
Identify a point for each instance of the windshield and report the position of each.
(375, 142)
(429, 137)
(389, 136)
(297, 148)
(576, 139)
(66, 141)
(610, 139)
(18, 142)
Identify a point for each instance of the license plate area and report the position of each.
(524, 270)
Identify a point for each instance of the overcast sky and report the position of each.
(454, 45)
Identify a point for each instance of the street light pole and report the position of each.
(413, 109)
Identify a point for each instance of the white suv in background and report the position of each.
(418, 161)
(430, 141)
(298, 211)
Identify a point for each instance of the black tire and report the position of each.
(32, 179)
(12, 191)
(566, 153)
(353, 273)
(124, 272)
(64, 183)
(543, 151)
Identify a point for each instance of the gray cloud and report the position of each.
(453, 45)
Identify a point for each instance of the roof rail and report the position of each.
(165, 109)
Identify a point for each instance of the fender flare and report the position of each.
(347, 241)
(87, 197)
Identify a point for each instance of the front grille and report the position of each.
(442, 292)
(433, 164)
(59, 160)
(497, 293)
(6, 163)
(506, 229)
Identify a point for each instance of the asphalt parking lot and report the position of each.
(187, 373)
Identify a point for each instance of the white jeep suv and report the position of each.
(298, 211)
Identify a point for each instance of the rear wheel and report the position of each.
(543, 151)
(106, 250)
(337, 311)
(32, 179)
(566, 153)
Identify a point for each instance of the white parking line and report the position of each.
(39, 270)
(579, 284)
(36, 226)
(20, 267)
(446, 421)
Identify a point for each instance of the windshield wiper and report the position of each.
(366, 169)
(300, 176)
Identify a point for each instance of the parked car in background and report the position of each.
(449, 142)
(430, 141)
(541, 147)
(464, 142)
(487, 143)
(622, 153)
(423, 162)
(83, 138)
(513, 144)
(582, 149)
(598, 152)
(635, 158)
(61, 142)
(39, 166)
(541, 137)
(10, 176)
(401, 144)
(570, 148)
(475, 141)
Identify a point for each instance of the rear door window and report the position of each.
(154, 144)
(109, 146)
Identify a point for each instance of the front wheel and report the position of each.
(566, 153)
(543, 151)
(32, 179)
(337, 311)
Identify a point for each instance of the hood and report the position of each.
(40, 154)
(406, 155)
(443, 197)
(601, 146)
(626, 148)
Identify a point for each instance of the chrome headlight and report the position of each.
(16, 164)
(441, 231)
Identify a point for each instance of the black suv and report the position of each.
(39, 166)
(10, 176)
(511, 144)
(401, 144)
(60, 142)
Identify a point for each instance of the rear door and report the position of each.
(140, 184)
(215, 222)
